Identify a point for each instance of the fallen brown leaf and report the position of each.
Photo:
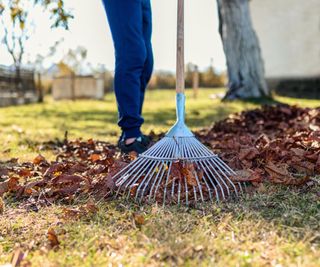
(91, 206)
(281, 175)
(248, 153)
(52, 238)
(188, 171)
(138, 219)
(247, 176)
(39, 159)
(95, 157)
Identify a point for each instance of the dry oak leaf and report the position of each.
(38, 159)
(175, 173)
(138, 219)
(95, 157)
(247, 176)
(188, 171)
(24, 172)
(13, 184)
(133, 155)
(304, 167)
(281, 175)
(91, 207)
(65, 178)
(52, 238)
(248, 153)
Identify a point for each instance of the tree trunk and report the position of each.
(242, 49)
(40, 89)
(195, 82)
(18, 80)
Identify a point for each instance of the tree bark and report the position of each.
(40, 89)
(18, 80)
(241, 45)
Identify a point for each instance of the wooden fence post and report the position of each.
(195, 82)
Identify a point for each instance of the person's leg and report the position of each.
(147, 34)
(126, 22)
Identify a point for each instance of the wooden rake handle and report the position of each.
(180, 84)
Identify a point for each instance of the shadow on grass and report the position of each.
(194, 119)
(291, 208)
(257, 101)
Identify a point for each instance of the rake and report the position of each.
(178, 169)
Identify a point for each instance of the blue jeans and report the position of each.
(131, 27)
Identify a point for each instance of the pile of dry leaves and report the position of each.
(278, 144)
(80, 168)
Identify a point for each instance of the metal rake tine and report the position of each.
(232, 172)
(217, 177)
(197, 149)
(161, 170)
(179, 192)
(188, 154)
(158, 178)
(186, 189)
(157, 187)
(134, 164)
(198, 182)
(218, 162)
(172, 188)
(144, 179)
(232, 184)
(148, 181)
(200, 188)
(136, 177)
(208, 175)
(153, 149)
(129, 175)
(205, 150)
(225, 166)
(165, 154)
(195, 194)
(205, 181)
(165, 187)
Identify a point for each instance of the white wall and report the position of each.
(85, 87)
(289, 33)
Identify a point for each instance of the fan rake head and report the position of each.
(177, 170)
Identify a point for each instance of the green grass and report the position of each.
(278, 226)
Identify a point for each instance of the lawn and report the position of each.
(278, 226)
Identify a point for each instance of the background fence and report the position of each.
(17, 90)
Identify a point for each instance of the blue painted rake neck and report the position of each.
(180, 129)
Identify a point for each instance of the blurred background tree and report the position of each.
(74, 61)
(242, 50)
(18, 25)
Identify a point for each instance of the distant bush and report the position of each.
(208, 78)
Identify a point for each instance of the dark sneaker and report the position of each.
(139, 146)
(145, 140)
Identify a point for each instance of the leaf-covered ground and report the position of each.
(56, 209)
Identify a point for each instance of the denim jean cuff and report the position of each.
(132, 133)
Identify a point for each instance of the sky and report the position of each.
(90, 29)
